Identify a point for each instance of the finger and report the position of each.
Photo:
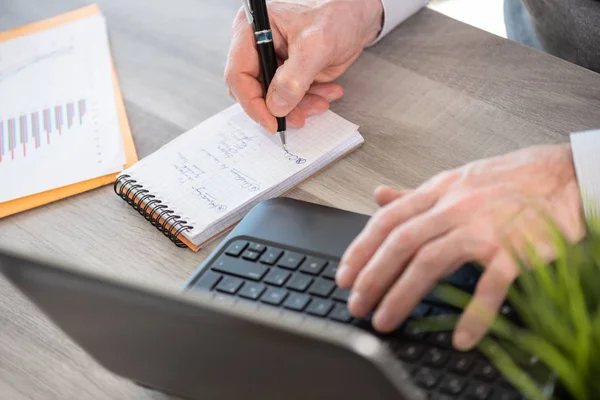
(391, 258)
(385, 195)
(329, 91)
(310, 105)
(383, 222)
(241, 73)
(488, 298)
(307, 56)
(435, 260)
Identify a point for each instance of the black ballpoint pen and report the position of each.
(256, 12)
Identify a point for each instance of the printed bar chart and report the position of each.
(59, 120)
(29, 128)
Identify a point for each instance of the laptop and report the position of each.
(261, 318)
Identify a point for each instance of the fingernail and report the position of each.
(354, 301)
(463, 340)
(314, 111)
(334, 95)
(269, 128)
(277, 104)
(340, 276)
(381, 320)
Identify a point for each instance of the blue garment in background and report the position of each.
(518, 24)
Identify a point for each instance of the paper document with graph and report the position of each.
(60, 121)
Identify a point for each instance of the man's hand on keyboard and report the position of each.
(467, 214)
(316, 41)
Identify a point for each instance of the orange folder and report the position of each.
(36, 200)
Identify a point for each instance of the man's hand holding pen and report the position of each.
(314, 46)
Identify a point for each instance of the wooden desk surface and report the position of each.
(433, 95)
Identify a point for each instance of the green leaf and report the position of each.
(511, 371)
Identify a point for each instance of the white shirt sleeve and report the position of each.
(586, 156)
(395, 12)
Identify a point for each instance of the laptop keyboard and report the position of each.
(305, 284)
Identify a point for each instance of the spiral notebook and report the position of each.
(202, 183)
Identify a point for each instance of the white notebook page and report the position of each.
(211, 171)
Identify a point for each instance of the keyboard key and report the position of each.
(409, 351)
(486, 371)
(435, 357)
(208, 280)
(296, 301)
(442, 339)
(291, 260)
(420, 311)
(461, 363)
(321, 287)
(452, 384)
(257, 247)
(330, 271)
(250, 255)
(436, 311)
(427, 378)
(224, 298)
(277, 277)
(341, 294)
(313, 265)
(299, 282)
(507, 311)
(441, 396)
(365, 323)
(340, 313)
(252, 290)
(320, 307)
(502, 394)
(478, 391)
(271, 256)
(239, 267)
(413, 332)
(274, 296)
(229, 285)
(236, 248)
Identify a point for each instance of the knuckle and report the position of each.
(291, 84)
(403, 238)
(459, 205)
(368, 284)
(380, 221)
(442, 179)
(314, 36)
(429, 256)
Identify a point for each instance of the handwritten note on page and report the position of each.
(214, 173)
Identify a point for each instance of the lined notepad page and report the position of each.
(214, 173)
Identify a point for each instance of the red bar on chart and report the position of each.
(11, 137)
(81, 105)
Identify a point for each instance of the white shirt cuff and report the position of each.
(397, 11)
(586, 157)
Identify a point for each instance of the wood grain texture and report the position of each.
(433, 95)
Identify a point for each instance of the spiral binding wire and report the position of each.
(153, 209)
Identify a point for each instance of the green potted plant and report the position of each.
(558, 304)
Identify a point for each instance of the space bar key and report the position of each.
(239, 267)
